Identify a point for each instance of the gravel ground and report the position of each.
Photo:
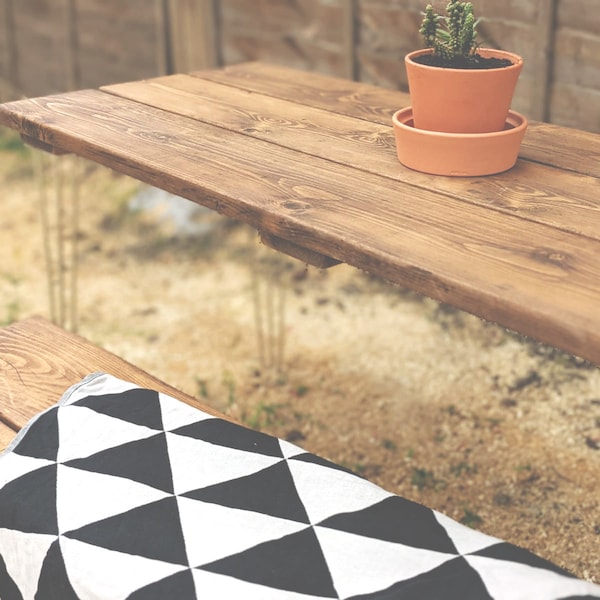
(492, 429)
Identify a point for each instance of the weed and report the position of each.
(359, 469)
(229, 382)
(11, 142)
(470, 518)
(439, 437)
(12, 313)
(463, 468)
(12, 307)
(302, 390)
(202, 387)
(423, 478)
(263, 416)
(364, 470)
(521, 468)
(389, 445)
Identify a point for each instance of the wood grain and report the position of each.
(350, 98)
(570, 149)
(308, 159)
(40, 361)
(534, 191)
(6, 436)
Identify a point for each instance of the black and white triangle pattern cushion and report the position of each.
(119, 492)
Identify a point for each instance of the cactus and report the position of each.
(453, 36)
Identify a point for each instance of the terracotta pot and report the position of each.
(458, 154)
(462, 100)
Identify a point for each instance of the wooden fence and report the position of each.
(52, 45)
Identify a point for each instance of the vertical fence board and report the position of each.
(193, 34)
(544, 49)
(71, 47)
(9, 73)
(163, 61)
(117, 40)
(349, 44)
(40, 38)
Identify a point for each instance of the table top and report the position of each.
(310, 161)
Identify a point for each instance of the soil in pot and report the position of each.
(475, 61)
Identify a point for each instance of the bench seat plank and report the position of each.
(39, 361)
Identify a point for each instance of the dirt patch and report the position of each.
(494, 430)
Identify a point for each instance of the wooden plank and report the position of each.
(6, 436)
(536, 192)
(350, 98)
(486, 262)
(40, 361)
(570, 149)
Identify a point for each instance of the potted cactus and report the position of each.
(455, 86)
(459, 122)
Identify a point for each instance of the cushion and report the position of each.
(120, 492)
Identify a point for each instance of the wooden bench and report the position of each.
(39, 361)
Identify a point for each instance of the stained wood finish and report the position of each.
(40, 361)
(7, 435)
(310, 161)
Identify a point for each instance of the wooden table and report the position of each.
(310, 162)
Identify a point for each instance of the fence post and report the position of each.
(349, 47)
(544, 59)
(192, 33)
(11, 73)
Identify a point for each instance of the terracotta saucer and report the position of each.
(458, 154)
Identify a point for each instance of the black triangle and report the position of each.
(28, 503)
(145, 461)
(270, 491)
(8, 588)
(396, 520)
(41, 439)
(322, 462)
(53, 583)
(509, 552)
(454, 580)
(294, 563)
(153, 531)
(181, 585)
(138, 406)
(231, 435)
